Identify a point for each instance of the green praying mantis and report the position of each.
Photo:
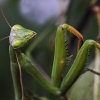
(20, 36)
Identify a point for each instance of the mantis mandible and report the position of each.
(20, 36)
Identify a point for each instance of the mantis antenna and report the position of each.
(4, 38)
(6, 22)
(5, 17)
(15, 54)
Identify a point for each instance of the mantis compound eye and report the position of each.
(20, 36)
(17, 43)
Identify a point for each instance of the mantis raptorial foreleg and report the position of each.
(60, 57)
(78, 65)
(27, 65)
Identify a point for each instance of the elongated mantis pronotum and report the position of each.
(20, 36)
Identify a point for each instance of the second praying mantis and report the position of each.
(20, 36)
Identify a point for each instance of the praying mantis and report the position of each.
(20, 36)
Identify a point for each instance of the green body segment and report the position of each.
(27, 65)
(60, 55)
(15, 74)
(78, 66)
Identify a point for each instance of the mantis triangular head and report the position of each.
(19, 36)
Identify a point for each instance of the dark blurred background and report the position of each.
(43, 16)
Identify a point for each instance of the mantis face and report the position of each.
(20, 36)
